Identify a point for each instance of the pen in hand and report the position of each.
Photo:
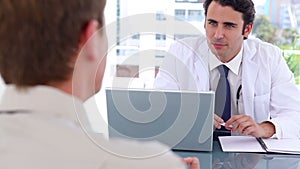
(223, 124)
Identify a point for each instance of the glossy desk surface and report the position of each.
(217, 159)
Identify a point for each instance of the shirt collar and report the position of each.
(233, 65)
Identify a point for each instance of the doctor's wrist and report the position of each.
(269, 129)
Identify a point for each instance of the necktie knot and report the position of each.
(223, 70)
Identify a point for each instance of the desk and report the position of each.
(217, 159)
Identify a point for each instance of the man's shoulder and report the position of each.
(262, 52)
(190, 48)
(29, 132)
(255, 43)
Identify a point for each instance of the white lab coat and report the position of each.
(269, 91)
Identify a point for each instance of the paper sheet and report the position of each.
(240, 144)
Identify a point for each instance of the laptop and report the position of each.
(183, 120)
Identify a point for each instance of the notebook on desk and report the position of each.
(180, 119)
(252, 144)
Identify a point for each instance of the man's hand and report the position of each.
(193, 162)
(218, 121)
(244, 124)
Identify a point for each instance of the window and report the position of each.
(160, 40)
(160, 16)
(181, 36)
(285, 15)
(136, 36)
(195, 15)
(126, 52)
(160, 37)
(180, 14)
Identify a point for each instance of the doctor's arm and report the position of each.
(284, 101)
(283, 106)
(245, 125)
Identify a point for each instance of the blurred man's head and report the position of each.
(40, 39)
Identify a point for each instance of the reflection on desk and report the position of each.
(217, 159)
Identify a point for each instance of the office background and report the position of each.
(135, 53)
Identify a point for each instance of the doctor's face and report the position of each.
(224, 29)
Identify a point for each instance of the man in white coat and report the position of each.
(53, 57)
(265, 101)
